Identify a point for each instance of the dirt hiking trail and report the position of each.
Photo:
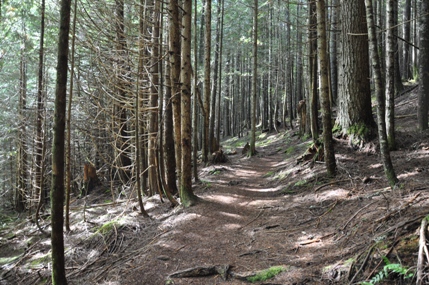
(254, 213)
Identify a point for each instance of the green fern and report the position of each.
(387, 269)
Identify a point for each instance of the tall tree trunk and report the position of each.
(195, 102)
(312, 99)
(68, 119)
(175, 27)
(375, 60)
(122, 92)
(254, 79)
(407, 73)
(398, 79)
(213, 109)
(137, 104)
(153, 102)
(422, 106)
(354, 104)
(299, 68)
(169, 146)
(324, 89)
(57, 190)
(416, 12)
(218, 120)
(334, 50)
(186, 194)
(226, 108)
(22, 182)
(207, 84)
(390, 74)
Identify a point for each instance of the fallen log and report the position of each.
(202, 271)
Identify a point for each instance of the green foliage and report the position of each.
(287, 191)
(305, 137)
(269, 174)
(336, 129)
(266, 274)
(40, 261)
(214, 171)
(10, 259)
(361, 130)
(107, 227)
(387, 269)
(300, 183)
(290, 149)
(206, 183)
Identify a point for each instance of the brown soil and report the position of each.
(253, 213)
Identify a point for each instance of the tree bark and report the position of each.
(169, 150)
(398, 79)
(354, 98)
(153, 102)
(175, 64)
(137, 103)
(422, 106)
(213, 114)
(22, 181)
(381, 105)
(122, 142)
(57, 190)
(186, 194)
(334, 51)
(68, 120)
(254, 79)
(390, 73)
(207, 84)
(407, 73)
(312, 98)
(324, 89)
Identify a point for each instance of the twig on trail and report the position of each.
(407, 91)
(402, 225)
(200, 271)
(401, 208)
(315, 240)
(330, 183)
(381, 261)
(256, 251)
(327, 211)
(357, 212)
(422, 248)
(183, 246)
(260, 212)
(363, 263)
(379, 192)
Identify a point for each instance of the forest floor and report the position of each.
(254, 213)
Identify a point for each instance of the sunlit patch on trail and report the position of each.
(222, 199)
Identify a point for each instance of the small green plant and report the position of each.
(214, 171)
(300, 183)
(269, 174)
(360, 129)
(290, 150)
(287, 191)
(266, 274)
(107, 227)
(305, 137)
(206, 183)
(387, 269)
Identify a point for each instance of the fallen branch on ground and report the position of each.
(422, 249)
(201, 271)
(396, 211)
